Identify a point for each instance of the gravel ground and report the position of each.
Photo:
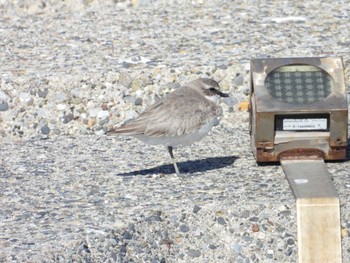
(70, 70)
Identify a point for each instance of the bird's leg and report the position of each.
(170, 149)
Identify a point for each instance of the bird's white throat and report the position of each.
(213, 98)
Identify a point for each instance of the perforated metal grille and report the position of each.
(301, 84)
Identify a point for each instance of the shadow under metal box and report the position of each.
(298, 107)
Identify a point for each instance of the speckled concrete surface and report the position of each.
(70, 72)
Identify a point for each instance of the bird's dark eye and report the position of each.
(212, 89)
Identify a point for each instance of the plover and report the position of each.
(181, 118)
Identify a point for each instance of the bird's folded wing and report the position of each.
(171, 117)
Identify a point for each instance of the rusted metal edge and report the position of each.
(301, 154)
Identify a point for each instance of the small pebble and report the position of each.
(138, 102)
(4, 106)
(254, 219)
(290, 242)
(211, 246)
(193, 253)
(127, 235)
(122, 249)
(67, 118)
(255, 228)
(45, 129)
(26, 98)
(125, 79)
(196, 209)
(184, 228)
(43, 93)
(221, 220)
(230, 101)
(261, 235)
(238, 79)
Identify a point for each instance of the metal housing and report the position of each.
(268, 144)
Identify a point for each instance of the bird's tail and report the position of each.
(127, 129)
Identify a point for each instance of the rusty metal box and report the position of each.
(298, 107)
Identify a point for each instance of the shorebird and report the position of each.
(181, 118)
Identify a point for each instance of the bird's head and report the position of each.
(208, 87)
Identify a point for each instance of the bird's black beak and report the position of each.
(218, 92)
(221, 94)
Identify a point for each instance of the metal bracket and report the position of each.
(318, 210)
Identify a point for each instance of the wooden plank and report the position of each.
(318, 211)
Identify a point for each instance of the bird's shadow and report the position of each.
(187, 167)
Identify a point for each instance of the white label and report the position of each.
(304, 124)
(301, 181)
